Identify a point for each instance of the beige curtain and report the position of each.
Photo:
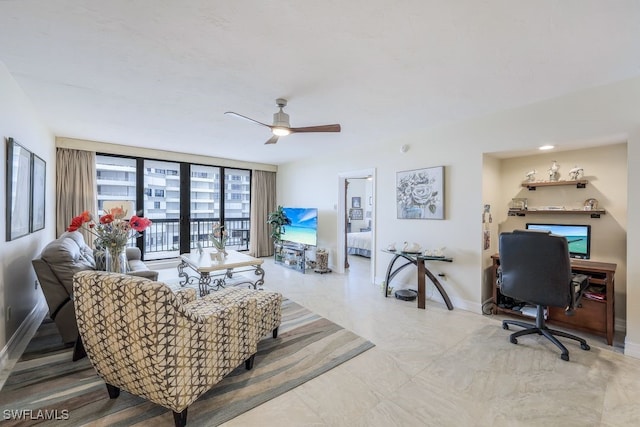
(75, 187)
(263, 201)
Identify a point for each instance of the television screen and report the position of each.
(304, 226)
(578, 237)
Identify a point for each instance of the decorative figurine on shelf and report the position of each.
(438, 253)
(591, 204)
(576, 173)
(531, 175)
(411, 247)
(554, 175)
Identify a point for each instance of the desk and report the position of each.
(202, 264)
(419, 261)
(595, 317)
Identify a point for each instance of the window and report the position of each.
(215, 194)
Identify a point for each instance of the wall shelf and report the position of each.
(579, 183)
(593, 213)
(532, 185)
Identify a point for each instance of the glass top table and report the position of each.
(206, 267)
(405, 259)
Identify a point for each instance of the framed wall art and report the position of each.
(18, 190)
(355, 213)
(38, 182)
(356, 202)
(420, 193)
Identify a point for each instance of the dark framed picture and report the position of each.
(18, 190)
(356, 213)
(420, 193)
(356, 202)
(38, 183)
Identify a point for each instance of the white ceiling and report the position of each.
(160, 74)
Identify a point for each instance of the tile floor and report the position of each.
(436, 367)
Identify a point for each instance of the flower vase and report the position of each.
(116, 259)
(412, 212)
(218, 256)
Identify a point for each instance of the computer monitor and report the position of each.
(578, 237)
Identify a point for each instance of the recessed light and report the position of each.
(546, 147)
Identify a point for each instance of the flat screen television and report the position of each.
(578, 237)
(304, 226)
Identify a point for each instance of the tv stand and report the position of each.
(595, 316)
(291, 255)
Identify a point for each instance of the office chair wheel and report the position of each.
(585, 346)
(513, 340)
(564, 357)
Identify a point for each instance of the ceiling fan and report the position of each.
(281, 126)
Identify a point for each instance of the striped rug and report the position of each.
(45, 378)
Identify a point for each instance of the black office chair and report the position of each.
(535, 268)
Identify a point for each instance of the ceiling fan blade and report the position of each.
(321, 128)
(231, 113)
(272, 140)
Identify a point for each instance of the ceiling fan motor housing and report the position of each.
(281, 119)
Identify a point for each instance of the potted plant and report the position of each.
(278, 219)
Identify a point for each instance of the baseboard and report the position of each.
(19, 340)
(631, 349)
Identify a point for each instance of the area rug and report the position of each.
(45, 379)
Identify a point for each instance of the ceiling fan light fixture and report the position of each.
(280, 131)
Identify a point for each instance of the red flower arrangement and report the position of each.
(112, 230)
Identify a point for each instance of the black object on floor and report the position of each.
(406, 294)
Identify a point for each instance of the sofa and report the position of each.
(169, 348)
(57, 264)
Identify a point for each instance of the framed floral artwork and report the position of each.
(420, 193)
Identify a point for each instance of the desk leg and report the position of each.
(436, 282)
(391, 273)
(421, 284)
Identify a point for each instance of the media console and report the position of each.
(291, 255)
(595, 315)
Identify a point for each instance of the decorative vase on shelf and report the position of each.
(115, 259)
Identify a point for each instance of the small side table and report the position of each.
(419, 261)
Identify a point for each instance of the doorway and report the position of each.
(356, 214)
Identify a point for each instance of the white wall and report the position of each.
(583, 116)
(20, 121)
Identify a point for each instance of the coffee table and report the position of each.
(206, 267)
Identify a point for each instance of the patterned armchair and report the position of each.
(167, 347)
